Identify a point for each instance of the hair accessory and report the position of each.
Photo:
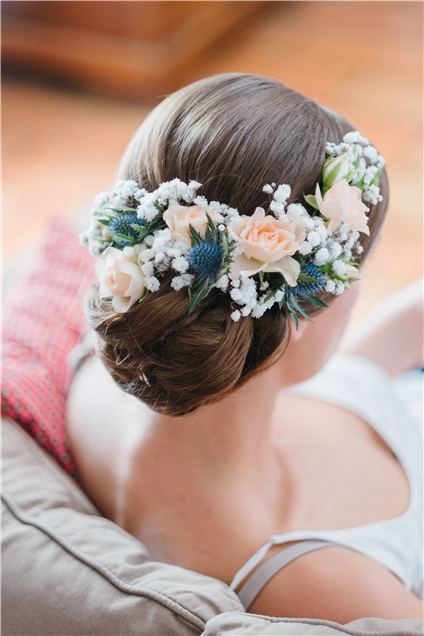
(288, 253)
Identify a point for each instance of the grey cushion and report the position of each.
(68, 570)
(240, 624)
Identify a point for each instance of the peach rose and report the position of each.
(268, 245)
(179, 217)
(120, 277)
(342, 204)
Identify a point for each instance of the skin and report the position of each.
(205, 491)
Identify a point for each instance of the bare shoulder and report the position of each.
(336, 584)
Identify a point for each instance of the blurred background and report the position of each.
(79, 77)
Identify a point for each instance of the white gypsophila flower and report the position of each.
(335, 249)
(248, 289)
(282, 193)
(314, 239)
(163, 266)
(174, 252)
(95, 229)
(340, 287)
(147, 255)
(236, 315)
(347, 253)
(106, 233)
(159, 257)
(101, 201)
(129, 188)
(330, 148)
(236, 294)
(330, 286)
(221, 227)
(359, 249)
(84, 239)
(231, 213)
(322, 230)
(355, 138)
(371, 154)
(370, 173)
(279, 210)
(305, 248)
(279, 295)
(149, 240)
(372, 194)
(222, 283)
(152, 283)
(246, 311)
(216, 207)
(95, 247)
(268, 189)
(148, 268)
(343, 237)
(178, 282)
(218, 218)
(381, 162)
(180, 264)
(344, 228)
(308, 222)
(297, 210)
(264, 286)
(322, 256)
(199, 200)
(339, 267)
(236, 282)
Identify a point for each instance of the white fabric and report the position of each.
(393, 407)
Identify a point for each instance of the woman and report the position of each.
(207, 454)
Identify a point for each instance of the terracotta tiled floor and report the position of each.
(363, 59)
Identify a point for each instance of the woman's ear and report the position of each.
(297, 333)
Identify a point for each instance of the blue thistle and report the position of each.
(122, 225)
(304, 288)
(206, 259)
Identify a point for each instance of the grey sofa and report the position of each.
(68, 570)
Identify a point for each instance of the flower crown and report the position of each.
(288, 253)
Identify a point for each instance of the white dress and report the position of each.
(394, 409)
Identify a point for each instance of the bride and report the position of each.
(233, 285)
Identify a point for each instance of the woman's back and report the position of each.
(210, 454)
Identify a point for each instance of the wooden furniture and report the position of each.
(126, 48)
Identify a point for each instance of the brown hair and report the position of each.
(233, 133)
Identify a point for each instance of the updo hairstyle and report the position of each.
(233, 133)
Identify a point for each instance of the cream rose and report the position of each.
(342, 204)
(120, 277)
(179, 217)
(268, 245)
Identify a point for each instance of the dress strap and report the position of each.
(267, 570)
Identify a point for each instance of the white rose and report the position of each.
(120, 277)
(335, 170)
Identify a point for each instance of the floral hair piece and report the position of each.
(282, 255)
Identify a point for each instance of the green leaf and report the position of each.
(124, 208)
(104, 221)
(194, 235)
(261, 276)
(297, 308)
(197, 295)
(311, 199)
(140, 228)
(377, 175)
(130, 239)
(270, 295)
(304, 278)
(315, 301)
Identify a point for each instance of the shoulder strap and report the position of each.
(267, 570)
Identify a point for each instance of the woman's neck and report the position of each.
(234, 434)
